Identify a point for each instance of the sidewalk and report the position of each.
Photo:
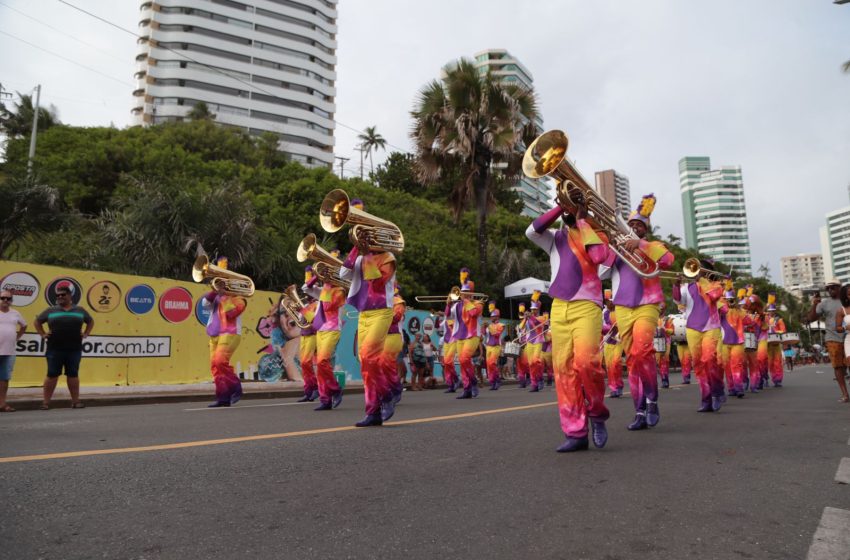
(30, 398)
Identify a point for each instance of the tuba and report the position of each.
(380, 236)
(547, 157)
(327, 266)
(292, 304)
(234, 284)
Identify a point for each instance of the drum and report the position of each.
(790, 338)
(512, 349)
(660, 344)
(774, 338)
(680, 329)
(750, 341)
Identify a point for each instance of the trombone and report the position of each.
(327, 266)
(233, 284)
(378, 235)
(454, 295)
(691, 270)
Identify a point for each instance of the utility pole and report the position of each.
(361, 149)
(34, 129)
(342, 161)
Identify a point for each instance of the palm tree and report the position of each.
(17, 122)
(200, 111)
(463, 125)
(370, 140)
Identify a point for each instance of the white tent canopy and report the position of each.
(525, 287)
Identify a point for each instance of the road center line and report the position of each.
(204, 443)
(831, 540)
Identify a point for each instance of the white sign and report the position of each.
(24, 288)
(32, 344)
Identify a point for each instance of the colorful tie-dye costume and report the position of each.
(468, 341)
(392, 347)
(612, 353)
(548, 371)
(732, 322)
(703, 332)
(662, 359)
(575, 320)
(493, 346)
(636, 301)
(307, 350)
(372, 278)
(776, 365)
(534, 350)
(450, 376)
(761, 353)
(327, 323)
(522, 371)
(684, 354)
(224, 328)
(753, 325)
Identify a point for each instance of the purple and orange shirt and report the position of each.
(574, 255)
(536, 326)
(331, 298)
(608, 319)
(308, 313)
(454, 326)
(494, 334)
(225, 313)
(398, 315)
(470, 312)
(700, 299)
(372, 278)
(775, 325)
(629, 288)
(732, 322)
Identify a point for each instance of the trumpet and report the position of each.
(292, 304)
(327, 266)
(233, 284)
(454, 295)
(691, 270)
(378, 235)
(547, 157)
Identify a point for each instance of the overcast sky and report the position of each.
(636, 86)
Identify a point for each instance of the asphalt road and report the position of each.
(440, 481)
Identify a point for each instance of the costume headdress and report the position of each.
(221, 262)
(644, 210)
(771, 302)
(535, 300)
(494, 311)
(464, 275)
(468, 286)
(308, 274)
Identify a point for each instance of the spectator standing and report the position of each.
(428, 347)
(828, 310)
(789, 358)
(417, 353)
(64, 344)
(12, 327)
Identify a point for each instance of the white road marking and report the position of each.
(832, 537)
(842, 476)
(243, 406)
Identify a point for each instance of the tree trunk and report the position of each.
(481, 181)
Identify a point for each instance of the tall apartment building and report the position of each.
(801, 272)
(715, 212)
(536, 194)
(259, 65)
(835, 244)
(614, 189)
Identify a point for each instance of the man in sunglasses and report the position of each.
(64, 344)
(12, 327)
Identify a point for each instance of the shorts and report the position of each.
(7, 364)
(430, 361)
(836, 354)
(69, 360)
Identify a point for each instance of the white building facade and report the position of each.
(835, 244)
(714, 211)
(536, 195)
(802, 272)
(259, 65)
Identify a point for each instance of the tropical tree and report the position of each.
(370, 141)
(28, 207)
(470, 127)
(200, 111)
(17, 122)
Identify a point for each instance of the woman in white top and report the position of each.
(842, 319)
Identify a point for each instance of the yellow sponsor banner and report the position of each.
(147, 331)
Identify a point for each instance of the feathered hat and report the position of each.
(521, 307)
(494, 311)
(221, 262)
(644, 210)
(535, 300)
(468, 286)
(464, 275)
(357, 203)
(729, 288)
(308, 273)
(742, 296)
(771, 302)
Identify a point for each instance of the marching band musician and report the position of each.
(547, 354)
(493, 346)
(224, 327)
(372, 277)
(662, 359)
(703, 332)
(612, 353)
(449, 349)
(637, 300)
(393, 346)
(534, 328)
(575, 251)
(307, 344)
(752, 304)
(732, 322)
(326, 322)
(762, 352)
(467, 337)
(775, 325)
(684, 354)
(522, 372)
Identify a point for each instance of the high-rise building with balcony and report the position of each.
(536, 194)
(258, 65)
(802, 272)
(715, 212)
(835, 244)
(614, 189)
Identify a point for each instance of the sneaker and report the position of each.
(777, 384)
(705, 407)
(573, 444)
(465, 395)
(324, 406)
(387, 409)
(686, 380)
(237, 394)
(314, 395)
(534, 389)
(716, 403)
(599, 432)
(305, 398)
(336, 398)
(370, 420)
(615, 394)
(639, 423)
(474, 389)
(665, 383)
(653, 416)
(216, 404)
